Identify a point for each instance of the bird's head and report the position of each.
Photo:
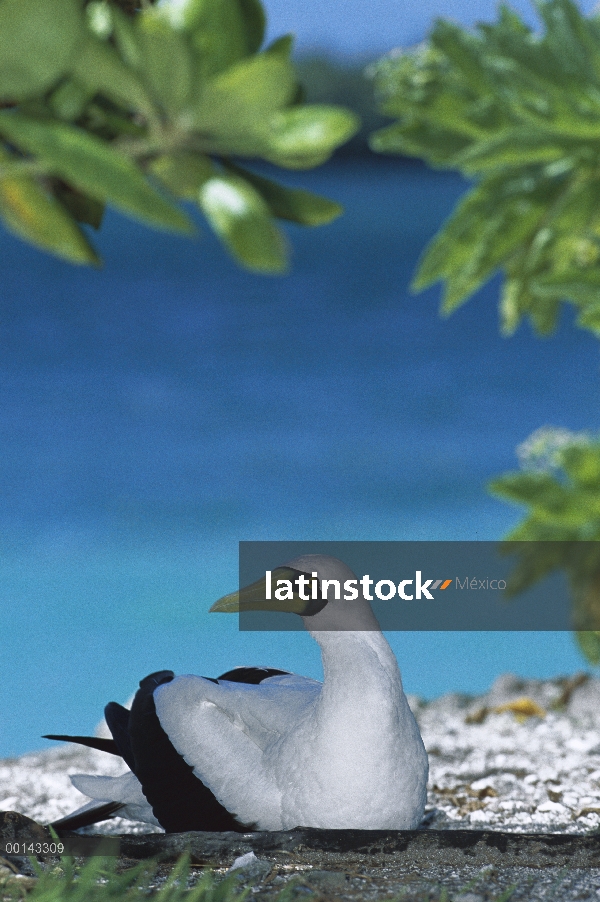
(313, 586)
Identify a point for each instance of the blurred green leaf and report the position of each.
(255, 23)
(520, 112)
(222, 32)
(183, 173)
(235, 108)
(99, 69)
(240, 216)
(69, 100)
(282, 46)
(91, 165)
(37, 41)
(166, 61)
(305, 136)
(33, 214)
(516, 148)
(539, 489)
(462, 50)
(126, 38)
(589, 643)
(293, 204)
(82, 208)
(487, 225)
(442, 144)
(582, 465)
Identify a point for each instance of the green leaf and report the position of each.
(82, 208)
(255, 23)
(293, 204)
(485, 229)
(282, 46)
(513, 148)
(92, 166)
(166, 61)
(240, 216)
(238, 105)
(567, 37)
(464, 51)
(439, 146)
(69, 100)
(543, 314)
(582, 465)
(579, 285)
(37, 41)
(590, 319)
(222, 32)
(526, 488)
(28, 211)
(98, 68)
(126, 38)
(589, 644)
(183, 173)
(306, 136)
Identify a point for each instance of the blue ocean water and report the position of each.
(155, 412)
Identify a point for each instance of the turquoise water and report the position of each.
(157, 411)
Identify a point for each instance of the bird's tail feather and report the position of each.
(93, 742)
(91, 813)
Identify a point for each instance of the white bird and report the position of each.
(268, 750)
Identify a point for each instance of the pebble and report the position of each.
(508, 771)
(248, 866)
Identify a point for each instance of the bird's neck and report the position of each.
(358, 662)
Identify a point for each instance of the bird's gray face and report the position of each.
(287, 590)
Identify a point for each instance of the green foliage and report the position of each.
(99, 881)
(328, 81)
(519, 113)
(145, 111)
(37, 43)
(560, 486)
(589, 644)
(93, 167)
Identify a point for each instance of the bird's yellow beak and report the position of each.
(254, 597)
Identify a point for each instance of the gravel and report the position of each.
(524, 757)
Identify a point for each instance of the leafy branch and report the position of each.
(559, 483)
(143, 111)
(518, 112)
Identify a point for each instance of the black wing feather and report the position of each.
(117, 719)
(93, 742)
(86, 818)
(252, 675)
(179, 799)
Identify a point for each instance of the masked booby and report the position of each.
(259, 748)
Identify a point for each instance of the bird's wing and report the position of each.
(221, 730)
(269, 710)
